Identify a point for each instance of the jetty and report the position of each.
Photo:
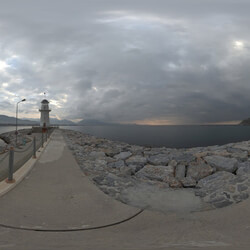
(56, 206)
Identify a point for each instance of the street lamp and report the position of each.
(17, 116)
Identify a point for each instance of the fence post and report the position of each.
(42, 139)
(34, 147)
(11, 164)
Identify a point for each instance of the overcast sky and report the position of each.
(143, 61)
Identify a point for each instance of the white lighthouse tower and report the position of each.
(44, 120)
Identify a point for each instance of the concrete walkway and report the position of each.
(56, 195)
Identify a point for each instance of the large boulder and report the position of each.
(183, 157)
(159, 173)
(116, 164)
(223, 188)
(136, 159)
(180, 172)
(188, 182)
(221, 163)
(159, 159)
(135, 149)
(173, 182)
(238, 153)
(243, 168)
(97, 155)
(215, 180)
(199, 171)
(123, 155)
(134, 168)
(110, 151)
(99, 165)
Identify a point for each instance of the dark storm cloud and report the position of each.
(174, 61)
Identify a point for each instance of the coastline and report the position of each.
(164, 179)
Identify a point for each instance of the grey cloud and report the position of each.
(128, 60)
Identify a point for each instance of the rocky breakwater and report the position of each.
(219, 175)
(9, 139)
(3, 146)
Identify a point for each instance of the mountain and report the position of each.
(7, 120)
(55, 121)
(245, 122)
(92, 122)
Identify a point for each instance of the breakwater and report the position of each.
(218, 175)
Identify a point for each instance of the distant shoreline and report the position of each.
(198, 125)
(31, 125)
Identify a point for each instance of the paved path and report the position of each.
(57, 196)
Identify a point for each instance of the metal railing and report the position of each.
(18, 157)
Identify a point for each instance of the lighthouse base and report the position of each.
(37, 129)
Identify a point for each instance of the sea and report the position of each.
(163, 136)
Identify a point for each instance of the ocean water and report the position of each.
(158, 136)
(169, 136)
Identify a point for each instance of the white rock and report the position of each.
(123, 155)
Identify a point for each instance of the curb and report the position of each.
(22, 172)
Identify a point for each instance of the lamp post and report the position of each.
(17, 116)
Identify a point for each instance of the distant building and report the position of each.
(44, 120)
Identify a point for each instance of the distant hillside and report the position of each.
(7, 120)
(55, 121)
(92, 122)
(245, 122)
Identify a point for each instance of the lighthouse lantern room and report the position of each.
(44, 120)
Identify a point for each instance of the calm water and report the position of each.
(169, 136)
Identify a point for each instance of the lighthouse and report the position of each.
(44, 120)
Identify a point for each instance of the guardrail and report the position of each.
(18, 157)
